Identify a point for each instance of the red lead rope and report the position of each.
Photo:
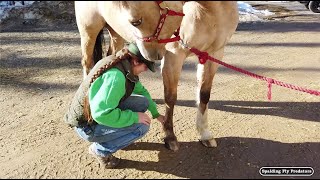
(203, 57)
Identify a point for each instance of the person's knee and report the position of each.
(86, 136)
(143, 105)
(143, 128)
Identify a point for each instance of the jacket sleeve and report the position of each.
(105, 94)
(141, 90)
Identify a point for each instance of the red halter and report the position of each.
(163, 17)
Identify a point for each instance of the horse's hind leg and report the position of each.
(171, 68)
(205, 75)
(88, 39)
(89, 30)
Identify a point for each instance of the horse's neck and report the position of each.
(205, 20)
(199, 10)
(210, 10)
(196, 14)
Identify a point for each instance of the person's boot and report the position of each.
(108, 162)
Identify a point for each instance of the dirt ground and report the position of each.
(40, 71)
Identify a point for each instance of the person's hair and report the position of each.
(121, 55)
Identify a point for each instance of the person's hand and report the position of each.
(144, 118)
(161, 119)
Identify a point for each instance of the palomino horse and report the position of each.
(206, 25)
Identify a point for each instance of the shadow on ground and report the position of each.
(272, 26)
(309, 111)
(235, 157)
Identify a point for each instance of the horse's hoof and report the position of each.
(171, 144)
(209, 143)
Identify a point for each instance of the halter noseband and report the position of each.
(163, 17)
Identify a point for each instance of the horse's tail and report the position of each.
(99, 47)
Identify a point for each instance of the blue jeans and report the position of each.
(107, 140)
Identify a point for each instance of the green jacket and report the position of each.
(105, 94)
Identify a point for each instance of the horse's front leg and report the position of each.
(205, 75)
(171, 68)
(116, 41)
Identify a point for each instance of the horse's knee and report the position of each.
(170, 98)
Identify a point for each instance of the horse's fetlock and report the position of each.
(171, 143)
(170, 138)
(204, 97)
